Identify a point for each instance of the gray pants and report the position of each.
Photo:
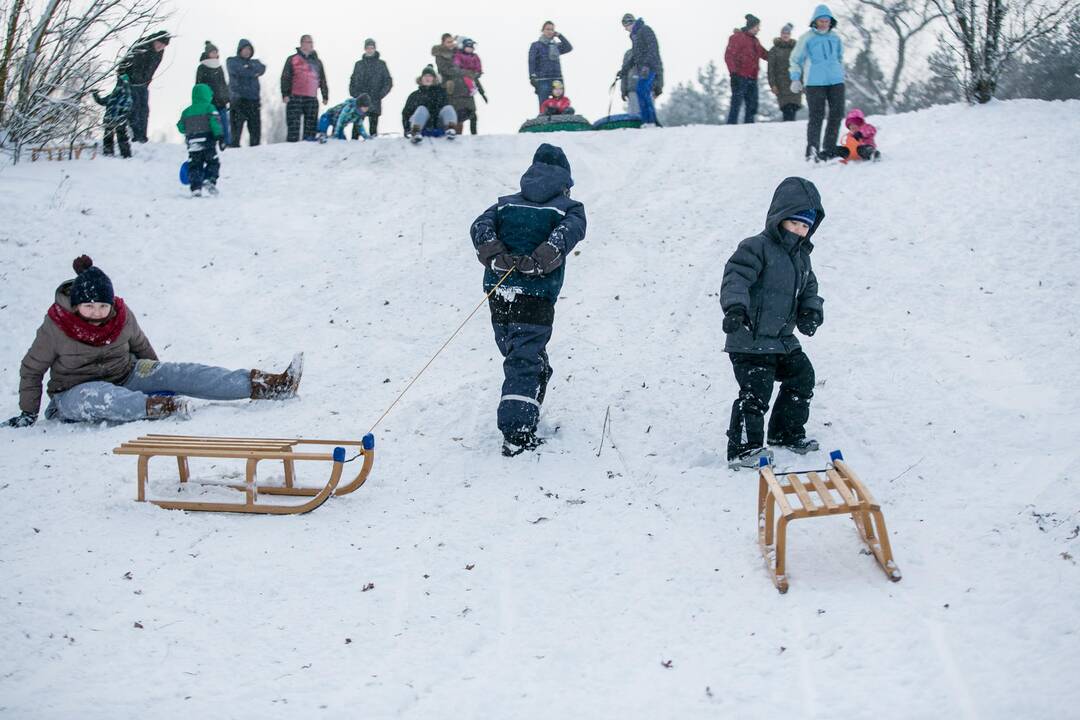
(99, 400)
(447, 117)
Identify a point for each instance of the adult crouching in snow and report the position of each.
(103, 368)
(817, 64)
(645, 61)
(769, 289)
(428, 107)
(779, 78)
(531, 233)
(371, 77)
(545, 60)
(245, 94)
(302, 79)
(212, 74)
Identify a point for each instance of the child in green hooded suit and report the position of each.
(202, 132)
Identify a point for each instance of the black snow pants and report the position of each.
(816, 98)
(121, 133)
(301, 110)
(204, 165)
(756, 375)
(245, 111)
(522, 331)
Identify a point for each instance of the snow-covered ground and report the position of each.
(563, 585)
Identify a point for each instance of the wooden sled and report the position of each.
(68, 152)
(852, 498)
(253, 451)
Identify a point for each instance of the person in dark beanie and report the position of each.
(769, 289)
(140, 64)
(371, 77)
(428, 108)
(103, 368)
(744, 50)
(644, 60)
(779, 80)
(302, 79)
(245, 94)
(211, 73)
(523, 241)
(545, 60)
(117, 114)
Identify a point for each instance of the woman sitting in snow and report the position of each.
(102, 367)
(557, 103)
(859, 143)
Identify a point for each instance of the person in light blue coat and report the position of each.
(817, 64)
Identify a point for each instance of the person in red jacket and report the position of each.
(744, 51)
(557, 103)
(302, 79)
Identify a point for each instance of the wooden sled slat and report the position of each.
(252, 451)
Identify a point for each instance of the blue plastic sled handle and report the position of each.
(339, 454)
(836, 455)
(185, 178)
(369, 442)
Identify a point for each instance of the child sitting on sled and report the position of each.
(557, 103)
(103, 368)
(859, 143)
(201, 125)
(351, 112)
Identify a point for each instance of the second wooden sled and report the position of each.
(854, 500)
(252, 451)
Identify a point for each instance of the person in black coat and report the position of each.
(370, 77)
(140, 64)
(769, 290)
(211, 73)
(245, 103)
(427, 105)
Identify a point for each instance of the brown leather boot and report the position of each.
(158, 407)
(278, 386)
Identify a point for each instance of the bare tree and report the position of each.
(55, 53)
(904, 19)
(986, 34)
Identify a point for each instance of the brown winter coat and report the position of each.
(779, 79)
(444, 64)
(72, 363)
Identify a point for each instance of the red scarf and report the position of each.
(76, 328)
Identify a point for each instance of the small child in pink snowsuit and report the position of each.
(859, 143)
(466, 59)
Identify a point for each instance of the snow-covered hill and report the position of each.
(947, 372)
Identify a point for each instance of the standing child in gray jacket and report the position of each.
(769, 290)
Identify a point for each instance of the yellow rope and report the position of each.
(439, 351)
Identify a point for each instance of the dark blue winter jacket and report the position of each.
(244, 74)
(541, 212)
(644, 52)
(545, 57)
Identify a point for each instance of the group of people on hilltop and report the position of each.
(813, 64)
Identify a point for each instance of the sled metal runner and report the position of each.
(252, 451)
(851, 498)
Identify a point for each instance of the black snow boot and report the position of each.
(516, 443)
(800, 446)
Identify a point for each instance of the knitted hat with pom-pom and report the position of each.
(91, 284)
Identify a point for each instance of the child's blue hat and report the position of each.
(805, 216)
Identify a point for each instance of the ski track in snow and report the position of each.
(945, 372)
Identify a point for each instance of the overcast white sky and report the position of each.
(690, 34)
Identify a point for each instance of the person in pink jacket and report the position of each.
(860, 142)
